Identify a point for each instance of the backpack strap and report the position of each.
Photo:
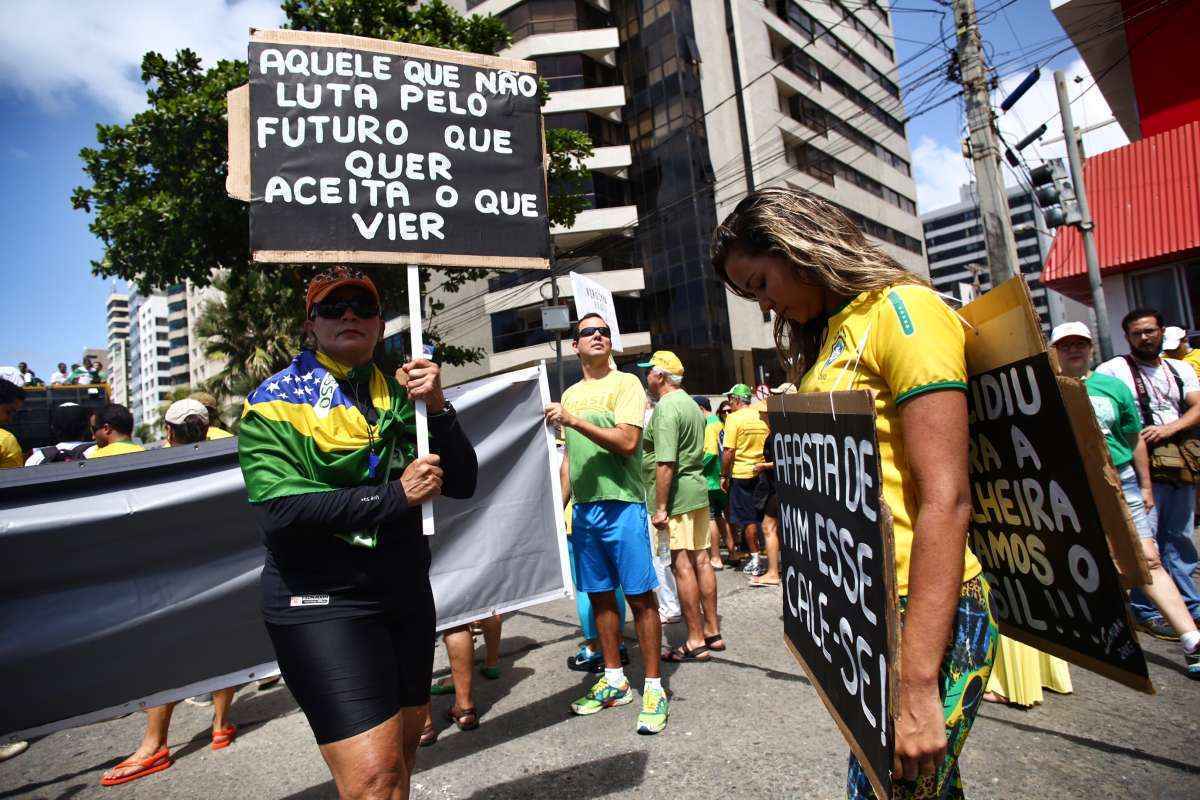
(1139, 384)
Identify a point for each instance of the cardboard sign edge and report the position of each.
(442, 260)
(237, 177)
(403, 49)
(1115, 519)
(876, 782)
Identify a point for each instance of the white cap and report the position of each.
(1173, 337)
(1066, 329)
(180, 410)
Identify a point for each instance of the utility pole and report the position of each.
(985, 150)
(1086, 226)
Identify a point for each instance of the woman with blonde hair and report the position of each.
(848, 316)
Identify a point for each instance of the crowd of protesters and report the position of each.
(662, 492)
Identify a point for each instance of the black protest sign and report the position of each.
(1037, 527)
(364, 150)
(836, 556)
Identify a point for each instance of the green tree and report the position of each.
(158, 203)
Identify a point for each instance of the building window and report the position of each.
(1163, 290)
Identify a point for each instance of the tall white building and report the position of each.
(652, 83)
(116, 312)
(149, 354)
(958, 264)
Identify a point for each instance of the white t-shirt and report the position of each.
(12, 375)
(1165, 403)
(58, 377)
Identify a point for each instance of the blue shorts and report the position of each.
(611, 546)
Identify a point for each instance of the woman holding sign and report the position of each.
(327, 448)
(851, 317)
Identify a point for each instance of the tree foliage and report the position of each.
(158, 202)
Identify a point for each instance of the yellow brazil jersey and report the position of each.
(745, 434)
(713, 431)
(899, 343)
(114, 449)
(1193, 358)
(596, 473)
(10, 451)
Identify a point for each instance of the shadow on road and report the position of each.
(580, 781)
(1096, 744)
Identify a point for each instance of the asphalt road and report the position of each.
(745, 725)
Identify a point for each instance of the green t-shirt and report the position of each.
(676, 433)
(1118, 415)
(597, 474)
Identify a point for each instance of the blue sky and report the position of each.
(64, 66)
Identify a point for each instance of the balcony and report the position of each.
(606, 101)
(600, 44)
(594, 223)
(620, 281)
(614, 160)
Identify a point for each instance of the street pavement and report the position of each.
(745, 725)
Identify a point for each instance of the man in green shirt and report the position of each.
(677, 499)
(1121, 422)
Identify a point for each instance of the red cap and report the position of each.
(320, 287)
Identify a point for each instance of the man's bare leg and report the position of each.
(649, 631)
(718, 530)
(1163, 592)
(771, 539)
(460, 648)
(706, 579)
(689, 595)
(608, 625)
(158, 725)
(491, 640)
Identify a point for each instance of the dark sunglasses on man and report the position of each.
(363, 308)
(584, 333)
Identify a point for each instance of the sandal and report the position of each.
(466, 719)
(491, 673)
(444, 686)
(683, 653)
(429, 734)
(224, 737)
(146, 766)
(711, 642)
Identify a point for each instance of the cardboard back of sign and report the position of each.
(838, 566)
(595, 298)
(1042, 526)
(367, 151)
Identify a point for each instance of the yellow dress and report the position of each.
(1021, 671)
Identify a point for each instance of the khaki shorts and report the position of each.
(689, 531)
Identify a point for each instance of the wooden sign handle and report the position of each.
(418, 349)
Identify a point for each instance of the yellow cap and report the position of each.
(666, 361)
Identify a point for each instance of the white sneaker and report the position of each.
(12, 749)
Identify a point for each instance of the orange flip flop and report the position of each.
(224, 737)
(146, 766)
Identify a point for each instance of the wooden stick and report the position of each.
(418, 350)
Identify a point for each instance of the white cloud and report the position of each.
(1040, 104)
(55, 51)
(939, 171)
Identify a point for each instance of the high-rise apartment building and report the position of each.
(958, 264)
(652, 82)
(149, 355)
(116, 313)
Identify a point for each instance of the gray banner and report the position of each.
(133, 581)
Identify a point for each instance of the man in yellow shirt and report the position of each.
(602, 419)
(112, 426)
(745, 436)
(11, 398)
(1175, 345)
(216, 426)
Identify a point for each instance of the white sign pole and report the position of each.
(418, 350)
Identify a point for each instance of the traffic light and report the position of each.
(1055, 194)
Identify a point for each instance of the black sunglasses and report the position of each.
(583, 333)
(363, 309)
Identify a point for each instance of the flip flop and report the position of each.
(710, 642)
(440, 688)
(429, 734)
(147, 766)
(465, 718)
(758, 583)
(491, 673)
(224, 737)
(682, 653)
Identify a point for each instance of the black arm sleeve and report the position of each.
(337, 511)
(460, 465)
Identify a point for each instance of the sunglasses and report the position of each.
(363, 309)
(583, 333)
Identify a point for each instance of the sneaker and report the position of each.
(750, 565)
(1193, 664)
(1159, 628)
(757, 567)
(594, 663)
(602, 696)
(654, 712)
(201, 700)
(12, 749)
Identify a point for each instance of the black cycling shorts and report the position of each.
(351, 674)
